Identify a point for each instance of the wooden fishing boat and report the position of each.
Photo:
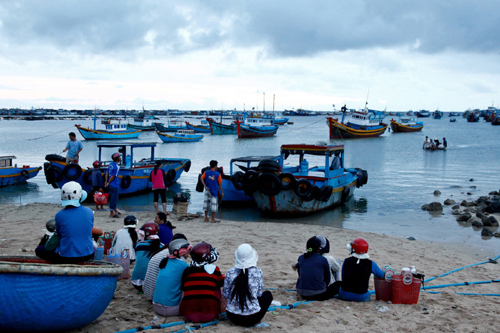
(203, 128)
(12, 174)
(437, 114)
(406, 124)
(256, 128)
(360, 124)
(423, 113)
(173, 125)
(133, 175)
(180, 136)
(298, 190)
(143, 123)
(38, 296)
(218, 128)
(114, 129)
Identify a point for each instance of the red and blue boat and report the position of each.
(359, 124)
(406, 124)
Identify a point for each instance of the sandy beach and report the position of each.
(279, 245)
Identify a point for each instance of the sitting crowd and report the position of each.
(197, 289)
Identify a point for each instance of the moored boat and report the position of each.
(115, 129)
(218, 128)
(203, 128)
(298, 190)
(423, 113)
(256, 128)
(360, 124)
(133, 175)
(180, 136)
(11, 174)
(173, 125)
(406, 124)
(437, 114)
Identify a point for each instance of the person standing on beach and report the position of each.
(73, 147)
(212, 182)
(113, 184)
(157, 178)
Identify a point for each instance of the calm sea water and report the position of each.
(401, 176)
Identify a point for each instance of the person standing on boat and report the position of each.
(336, 161)
(445, 143)
(113, 184)
(426, 142)
(73, 147)
(212, 182)
(157, 178)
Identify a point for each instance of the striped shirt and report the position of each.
(200, 291)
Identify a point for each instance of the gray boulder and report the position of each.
(456, 207)
(490, 221)
(449, 202)
(455, 212)
(437, 192)
(486, 232)
(433, 206)
(464, 217)
(476, 222)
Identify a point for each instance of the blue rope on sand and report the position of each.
(459, 269)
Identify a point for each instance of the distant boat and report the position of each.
(423, 114)
(361, 124)
(180, 136)
(437, 114)
(256, 128)
(406, 124)
(12, 174)
(203, 128)
(115, 129)
(218, 128)
(452, 120)
(173, 125)
(142, 123)
(472, 117)
(454, 114)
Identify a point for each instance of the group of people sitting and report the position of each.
(197, 289)
(434, 143)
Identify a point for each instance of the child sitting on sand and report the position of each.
(144, 250)
(201, 283)
(127, 237)
(356, 272)
(168, 293)
(314, 273)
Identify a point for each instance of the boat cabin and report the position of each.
(6, 161)
(114, 125)
(127, 151)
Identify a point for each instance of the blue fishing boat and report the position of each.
(12, 174)
(114, 129)
(143, 123)
(203, 128)
(133, 174)
(300, 190)
(180, 136)
(423, 114)
(359, 124)
(218, 128)
(256, 127)
(173, 125)
(437, 114)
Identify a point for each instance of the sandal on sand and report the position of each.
(216, 221)
(206, 220)
(115, 216)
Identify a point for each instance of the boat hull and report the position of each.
(141, 127)
(171, 138)
(400, 128)
(342, 131)
(89, 134)
(132, 179)
(233, 195)
(221, 129)
(199, 129)
(16, 176)
(248, 132)
(169, 128)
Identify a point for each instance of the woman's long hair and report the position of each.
(154, 247)
(133, 236)
(163, 263)
(240, 289)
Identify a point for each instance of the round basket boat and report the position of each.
(38, 296)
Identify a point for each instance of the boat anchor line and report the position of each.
(63, 130)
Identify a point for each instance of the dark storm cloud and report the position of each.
(286, 28)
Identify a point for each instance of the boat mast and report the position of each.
(273, 102)
(264, 102)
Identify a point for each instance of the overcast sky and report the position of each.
(193, 55)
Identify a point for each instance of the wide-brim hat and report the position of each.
(245, 257)
(75, 202)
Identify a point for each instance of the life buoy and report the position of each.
(313, 194)
(187, 166)
(237, 180)
(269, 184)
(170, 176)
(126, 181)
(72, 171)
(325, 192)
(87, 177)
(250, 181)
(288, 181)
(55, 173)
(345, 194)
(25, 174)
(303, 188)
(49, 177)
(55, 157)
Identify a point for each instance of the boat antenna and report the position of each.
(273, 101)
(264, 102)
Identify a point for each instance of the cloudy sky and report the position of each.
(193, 55)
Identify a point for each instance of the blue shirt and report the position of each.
(212, 181)
(142, 249)
(168, 283)
(74, 226)
(314, 275)
(113, 170)
(165, 233)
(97, 178)
(73, 148)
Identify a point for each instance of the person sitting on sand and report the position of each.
(149, 284)
(168, 293)
(127, 237)
(71, 242)
(332, 262)
(144, 250)
(356, 272)
(314, 273)
(166, 228)
(50, 225)
(244, 289)
(202, 282)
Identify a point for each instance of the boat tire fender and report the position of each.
(237, 180)
(55, 174)
(250, 181)
(187, 166)
(325, 192)
(55, 157)
(87, 176)
(170, 176)
(303, 188)
(126, 181)
(269, 184)
(72, 175)
(49, 176)
(270, 164)
(345, 194)
(25, 174)
(288, 181)
(314, 194)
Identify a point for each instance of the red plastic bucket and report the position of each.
(383, 291)
(405, 293)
